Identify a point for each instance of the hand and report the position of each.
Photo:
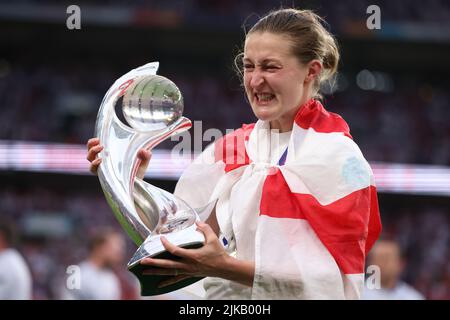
(94, 148)
(207, 261)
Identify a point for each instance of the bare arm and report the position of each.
(241, 271)
(212, 221)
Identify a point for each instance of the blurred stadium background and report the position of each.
(393, 89)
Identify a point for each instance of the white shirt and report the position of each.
(279, 143)
(95, 284)
(15, 276)
(402, 291)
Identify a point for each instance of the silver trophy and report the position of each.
(152, 108)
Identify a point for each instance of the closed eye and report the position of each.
(271, 67)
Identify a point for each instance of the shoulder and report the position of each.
(12, 257)
(231, 148)
(313, 115)
(243, 132)
(325, 134)
(14, 266)
(408, 292)
(93, 276)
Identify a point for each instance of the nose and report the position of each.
(257, 79)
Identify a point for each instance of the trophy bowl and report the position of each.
(152, 108)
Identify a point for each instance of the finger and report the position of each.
(144, 155)
(94, 165)
(177, 251)
(161, 272)
(164, 263)
(92, 142)
(207, 231)
(173, 280)
(92, 153)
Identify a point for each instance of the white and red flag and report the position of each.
(307, 220)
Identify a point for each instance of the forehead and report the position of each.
(267, 45)
(114, 238)
(386, 249)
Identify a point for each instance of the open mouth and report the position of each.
(264, 98)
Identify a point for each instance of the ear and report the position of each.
(314, 68)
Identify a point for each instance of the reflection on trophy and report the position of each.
(152, 107)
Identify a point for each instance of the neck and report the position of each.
(3, 247)
(281, 127)
(286, 121)
(96, 261)
(389, 283)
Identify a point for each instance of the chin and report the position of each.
(264, 118)
(264, 115)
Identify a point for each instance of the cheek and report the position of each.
(292, 93)
(246, 80)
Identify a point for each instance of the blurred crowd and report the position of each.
(423, 234)
(54, 235)
(230, 12)
(407, 124)
(49, 247)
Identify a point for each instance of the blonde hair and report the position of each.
(310, 40)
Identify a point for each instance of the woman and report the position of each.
(295, 204)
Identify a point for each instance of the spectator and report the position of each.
(98, 281)
(15, 276)
(387, 256)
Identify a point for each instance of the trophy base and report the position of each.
(188, 238)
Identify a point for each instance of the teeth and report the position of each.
(264, 96)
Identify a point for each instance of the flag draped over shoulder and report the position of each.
(307, 224)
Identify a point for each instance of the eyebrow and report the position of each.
(265, 61)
